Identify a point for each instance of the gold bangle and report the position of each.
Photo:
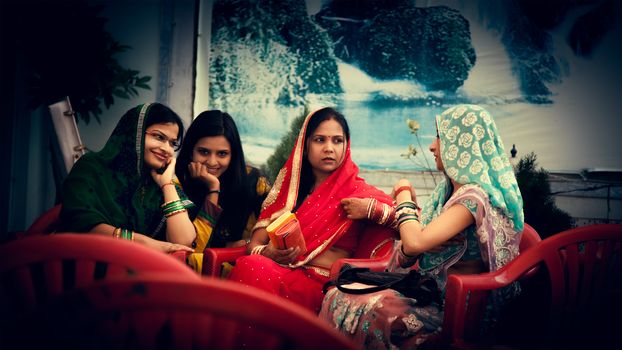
(169, 203)
(175, 213)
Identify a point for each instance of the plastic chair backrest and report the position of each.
(578, 285)
(167, 312)
(48, 222)
(35, 269)
(529, 238)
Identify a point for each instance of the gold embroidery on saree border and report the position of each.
(320, 248)
(274, 192)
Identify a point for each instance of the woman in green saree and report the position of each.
(126, 189)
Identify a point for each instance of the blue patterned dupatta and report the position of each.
(473, 155)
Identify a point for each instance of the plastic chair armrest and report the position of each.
(375, 264)
(180, 255)
(213, 258)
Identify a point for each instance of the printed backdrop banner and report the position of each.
(549, 75)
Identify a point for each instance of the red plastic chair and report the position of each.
(575, 299)
(35, 269)
(49, 222)
(371, 246)
(46, 223)
(529, 238)
(169, 312)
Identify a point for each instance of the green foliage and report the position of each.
(66, 51)
(397, 40)
(267, 48)
(539, 205)
(283, 150)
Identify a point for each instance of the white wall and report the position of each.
(136, 24)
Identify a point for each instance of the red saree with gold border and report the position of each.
(323, 223)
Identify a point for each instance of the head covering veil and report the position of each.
(472, 152)
(322, 219)
(114, 186)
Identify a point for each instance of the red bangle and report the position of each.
(166, 184)
(403, 188)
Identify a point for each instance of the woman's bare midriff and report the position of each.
(327, 258)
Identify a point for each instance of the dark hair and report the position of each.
(161, 114)
(306, 174)
(237, 191)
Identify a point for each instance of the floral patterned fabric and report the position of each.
(388, 320)
(472, 153)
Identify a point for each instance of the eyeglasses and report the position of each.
(163, 138)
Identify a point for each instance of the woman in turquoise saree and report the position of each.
(126, 190)
(470, 224)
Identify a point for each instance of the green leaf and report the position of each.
(108, 100)
(142, 80)
(143, 86)
(120, 93)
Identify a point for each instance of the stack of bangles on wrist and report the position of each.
(173, 208)
(122, 233)
(258, 249)
(406, 211)
(380, 213)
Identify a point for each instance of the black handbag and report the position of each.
(412, 284)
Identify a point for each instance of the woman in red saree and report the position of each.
(317, 175)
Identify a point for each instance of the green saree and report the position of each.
(113, 186)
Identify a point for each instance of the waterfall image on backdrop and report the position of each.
(549, 75)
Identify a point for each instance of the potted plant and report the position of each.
(66, 51)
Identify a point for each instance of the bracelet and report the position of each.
(127, 234)
(406, 210)
(171, 207)
(403, 188)
(370, 208)
(122, 233)
(408, 204)
(213, 191)
(167, 204)
(166, 184)
(168, 215)
(402, 222)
